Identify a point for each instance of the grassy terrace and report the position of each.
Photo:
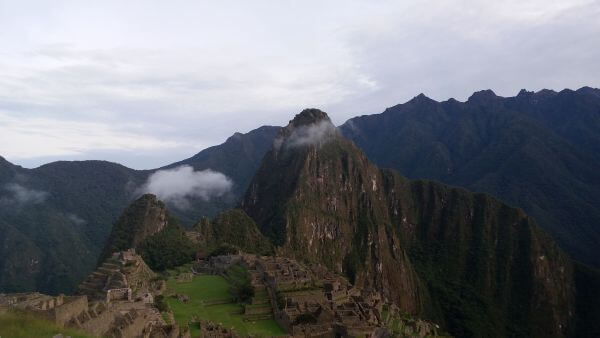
(16, 324)
(207, 289)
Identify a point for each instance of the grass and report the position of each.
(17, 324)
(210, 288)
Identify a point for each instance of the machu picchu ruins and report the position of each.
(310, 301)
(115, 301)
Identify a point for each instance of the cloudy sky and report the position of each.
(146, 83)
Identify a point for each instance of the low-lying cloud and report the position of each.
(177, 186)
(76, 219)
(20, 195)
(311, 134)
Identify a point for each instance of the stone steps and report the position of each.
(257, 317)
(111, 265)
(107, 271)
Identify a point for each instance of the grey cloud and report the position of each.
(76, 219)
(177, 186)
(20, 195)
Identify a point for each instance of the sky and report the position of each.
(147, 83)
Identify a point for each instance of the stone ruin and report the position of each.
(211, 330)
(116, 300)
(308, 301)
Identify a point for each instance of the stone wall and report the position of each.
(118, 294)
(100, 323)
(72, 307)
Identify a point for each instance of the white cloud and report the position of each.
(21, 195)
(311, 134)
(178, 185)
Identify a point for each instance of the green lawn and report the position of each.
(207, 288)
(16, 324)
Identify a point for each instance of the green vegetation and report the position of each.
(233, 228)
(168, 248)
(540, 152)
(161, 303)
(241, 286)
(16, 324)
(66, 233)
(224, 249)
(206, 289)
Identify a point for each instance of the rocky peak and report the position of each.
(330, 205)
(145, 217)
(310, 127)
(525, 93)
(309, 116)
(482, 96)
(420, 99)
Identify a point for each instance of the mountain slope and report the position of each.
(56, 218)
(57, 215)
(538, 151)
(466, 260)
(147, 226)
(145, 217)
(232, 227)
(238, 158)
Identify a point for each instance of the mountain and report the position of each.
(147, 227)
(538, 151)
(232, 227)
(466, 260)
(55, 219)
(238, 158)
(143, 218)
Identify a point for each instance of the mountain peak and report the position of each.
(145, 217)
(589, 91)
(525, 92)
(421, 98)
(309, 116)
(309, 127)
(483, 96)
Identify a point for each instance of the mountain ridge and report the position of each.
(520, 149)
(86, 218)
(466, 260)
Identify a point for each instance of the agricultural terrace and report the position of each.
(211, 298)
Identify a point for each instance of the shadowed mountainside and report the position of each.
(538, 151)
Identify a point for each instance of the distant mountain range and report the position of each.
(538, 151)
(55, 219)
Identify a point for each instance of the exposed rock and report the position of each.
(142, 219)
(419, 243)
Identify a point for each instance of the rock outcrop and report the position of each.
(462, 259)
(143, 218)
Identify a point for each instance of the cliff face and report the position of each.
(467, 260)
(143, 218)
(539, 151)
